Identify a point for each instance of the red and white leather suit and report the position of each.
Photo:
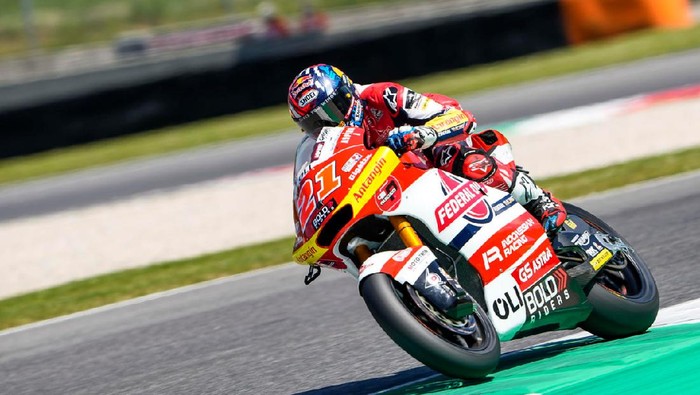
(484, 156)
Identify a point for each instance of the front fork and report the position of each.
(437, 286)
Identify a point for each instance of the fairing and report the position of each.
(525, 286)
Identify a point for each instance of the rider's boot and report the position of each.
(538, 202)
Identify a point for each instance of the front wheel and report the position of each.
(624, 296)
(465, 349)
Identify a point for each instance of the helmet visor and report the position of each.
(330, 112)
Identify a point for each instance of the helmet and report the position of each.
(322, 95)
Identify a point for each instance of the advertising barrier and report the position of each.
(587, 20)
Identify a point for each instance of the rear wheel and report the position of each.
(466, 349)
(624, 296)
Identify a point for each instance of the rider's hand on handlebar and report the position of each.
(408, 138)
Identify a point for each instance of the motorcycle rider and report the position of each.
(396, 116)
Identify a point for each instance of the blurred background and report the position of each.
(77, 71)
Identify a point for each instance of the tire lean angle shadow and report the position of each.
(439, 382)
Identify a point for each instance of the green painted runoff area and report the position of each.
(656, 362)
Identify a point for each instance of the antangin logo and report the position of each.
(371, 177)
(301, 258)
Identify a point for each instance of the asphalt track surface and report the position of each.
(267, 333)
(110, 183)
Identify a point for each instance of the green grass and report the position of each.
(597, 180)
(110, 288)
(275, 119)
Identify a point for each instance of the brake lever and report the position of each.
(314, 272)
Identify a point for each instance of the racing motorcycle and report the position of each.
(449, 267)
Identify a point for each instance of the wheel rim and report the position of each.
(621, 274)
(469, 333)
(621, 277)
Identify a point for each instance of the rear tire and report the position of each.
(625, 302)
(425, 341)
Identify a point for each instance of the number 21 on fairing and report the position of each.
(327, 181)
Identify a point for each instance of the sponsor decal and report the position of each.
(390, 96)
(582, 239)
(492, 255)
(450, 124)
(599, 260)
(350, 163)
(308, 98)
(594, 249)
(547, 295)
(318, 150)
(508, 303)
(446, 155)
(410, 100)
(571, 224)
(415, 259)
(503, 204)
(359, 168)
(302, 83)
(328, 134)
(466, 201)
(376, 171)
(422, 254)
(432, 280)
(481, 166)
(389, 194)
(311, 251)
(506, 247)
(516, 238)
(347, 135)
(525, 274)
(406, 265)
(323, 213)
(479, 215)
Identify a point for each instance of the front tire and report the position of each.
(625, 298)
(427, 340)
